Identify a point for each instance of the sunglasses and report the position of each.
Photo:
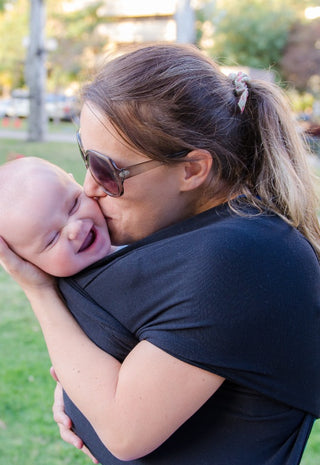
(111, 178)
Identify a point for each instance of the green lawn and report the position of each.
(64, 154)
(28, 434)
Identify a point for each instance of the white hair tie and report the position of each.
(240, 81)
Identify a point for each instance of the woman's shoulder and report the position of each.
(216, 236)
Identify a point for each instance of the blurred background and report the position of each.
(48, 50)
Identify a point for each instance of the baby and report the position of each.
(47, 219)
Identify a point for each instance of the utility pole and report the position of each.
(36, 72)
(185, 22)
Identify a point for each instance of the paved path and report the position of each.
(71, 137)
(23, 135)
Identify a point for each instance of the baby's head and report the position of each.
(47, 219)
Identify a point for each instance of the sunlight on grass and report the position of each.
(28, 434)
(64, 154)
(311, 455)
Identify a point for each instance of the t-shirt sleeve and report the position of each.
(98, 324)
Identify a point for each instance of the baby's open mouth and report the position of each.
(89, 240)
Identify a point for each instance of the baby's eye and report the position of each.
(74, 206)
(52, 240)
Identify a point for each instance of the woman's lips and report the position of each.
(89, 240)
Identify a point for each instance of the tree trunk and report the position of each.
(185, 22)
(36, 72)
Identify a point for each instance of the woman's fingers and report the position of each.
(53, 374)
(59, 414)
(64, 422)
(69, 436)
(88, 453)
(8, 259)
(28, 276)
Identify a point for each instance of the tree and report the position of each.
(185, 19)
(78, 42)
(36, 72)
(13, 29)
(76, 35)
(300, 63)
(252, 32)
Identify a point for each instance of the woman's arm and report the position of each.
(137, 405)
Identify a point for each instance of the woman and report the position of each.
(206, 179)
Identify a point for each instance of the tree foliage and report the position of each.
(252, 32)
(13, 29)
(300, 63)
(78, 42)
(75, 35)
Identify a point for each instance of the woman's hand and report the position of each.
(28, 276)
(63, 421)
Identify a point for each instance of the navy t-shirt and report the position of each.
(236, 295)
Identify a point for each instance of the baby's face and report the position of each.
(56, 226)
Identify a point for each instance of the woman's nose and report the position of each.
(91, 187)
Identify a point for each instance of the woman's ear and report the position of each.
(197, 171)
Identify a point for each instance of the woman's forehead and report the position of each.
(99, 134)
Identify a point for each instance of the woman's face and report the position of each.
(151, 201)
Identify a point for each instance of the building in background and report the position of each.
(138, 21)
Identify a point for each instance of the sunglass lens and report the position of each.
(104, 174)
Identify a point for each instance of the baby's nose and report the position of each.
(74, 230)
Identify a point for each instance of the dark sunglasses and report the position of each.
(111, 178)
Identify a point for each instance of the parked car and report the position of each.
(58, 106)
(18, 104)
(4, 105)
(61, 107)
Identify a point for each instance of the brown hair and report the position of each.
(164, 98)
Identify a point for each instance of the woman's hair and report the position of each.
(165, 98)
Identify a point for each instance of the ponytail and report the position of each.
(284, 182)
(166, 98)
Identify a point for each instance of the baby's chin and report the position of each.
(72, 269)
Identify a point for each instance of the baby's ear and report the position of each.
(71, 175)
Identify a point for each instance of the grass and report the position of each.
(64, 154)
(20, 124)
(27, 431)
(311, 455)
(28, 434)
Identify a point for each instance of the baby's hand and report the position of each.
(28, 276)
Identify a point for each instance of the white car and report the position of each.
(58, 106)
(4, 106)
